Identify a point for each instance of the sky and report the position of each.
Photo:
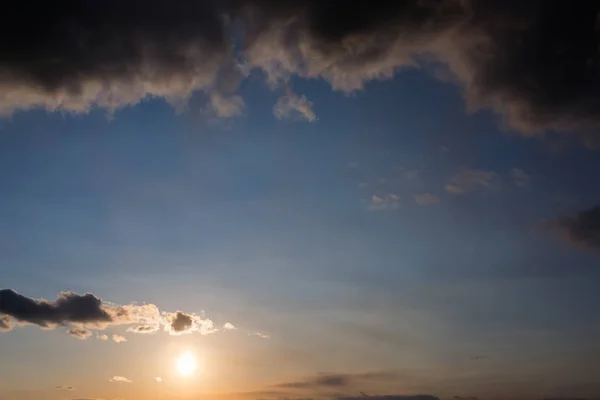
(269, 200)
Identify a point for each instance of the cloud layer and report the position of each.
(536, 63)
(82, 314)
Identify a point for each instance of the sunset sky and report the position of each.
(266, 200)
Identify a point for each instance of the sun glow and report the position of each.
(186, 364)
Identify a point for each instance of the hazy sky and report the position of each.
(312, 199)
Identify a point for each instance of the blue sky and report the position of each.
(310, 201)
(268, 224)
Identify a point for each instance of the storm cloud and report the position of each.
(535, 63)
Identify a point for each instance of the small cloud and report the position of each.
(469, 180)
(179, 323)
(6, 323)
(292, 105)
(118, 338)
(425, 199)
(384, 203)
(581, 229)
(120, 379)
(228, 326)
(260, 335)
(103, 337)
(520, 177)
(64, 387)
(145, 329)
(80, 333)
(158, 379)
(226, 106)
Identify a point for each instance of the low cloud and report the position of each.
(118, 338)
(65, 387)
(581, 229)
(392, 397)
(502, 56)
(119, 379)
(228, 326)
(384, 202)
(426, 199)
(470, 180)
(83, 314)
(338, 380)
(80, 333)
(68, 307)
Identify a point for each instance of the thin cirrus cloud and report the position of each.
(470, 180)
(173, 50)
(84, 314)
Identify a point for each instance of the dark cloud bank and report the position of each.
(536, 63)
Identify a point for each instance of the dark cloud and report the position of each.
(65, 387)
(581, 229)
(181, 322)
(534, 62)
(68, 307)
(337, 380)
(393, 397)
(82, 314)
(80, 333)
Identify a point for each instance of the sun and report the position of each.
(186, 364)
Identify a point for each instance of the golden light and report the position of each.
(186, 364)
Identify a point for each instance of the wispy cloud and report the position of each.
(426, 199)
(293, 106)
(384, 202)
(102, 336)
(469, 180)
(119, 379)
(158, 379)
(65, 387)
(260, 335)
(520, 177)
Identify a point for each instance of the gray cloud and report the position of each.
(80, 333)
(65, 387)
(581, 229)
(426, 199)
(82, 314)
(68, 307)
(535, 63)
(393, 397)
(337, 380)
(291, 105)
